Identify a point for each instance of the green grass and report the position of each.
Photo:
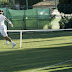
(38, 50)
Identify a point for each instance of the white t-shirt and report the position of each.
(2, 19)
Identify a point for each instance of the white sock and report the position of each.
(12, 42)
(7, 42)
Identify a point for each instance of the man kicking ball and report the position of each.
(3, 28)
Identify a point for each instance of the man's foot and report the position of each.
(13, 45)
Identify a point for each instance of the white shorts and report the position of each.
(3, 30)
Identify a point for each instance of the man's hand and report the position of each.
(11, 25)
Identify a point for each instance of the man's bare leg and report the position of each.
(9, 39)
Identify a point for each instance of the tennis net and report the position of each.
(23, 35)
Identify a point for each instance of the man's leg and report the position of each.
(9, 39)
(7, 43)
(4, 34)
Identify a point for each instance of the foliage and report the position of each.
(10, 3)
(65, 6)
(4, 2)
(65, 22)
(65, 1)
(30, 2)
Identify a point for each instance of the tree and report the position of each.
(12, 2)
(4, 2)
(7, 2)
(65, 1)
(65, 6)
(30, 2)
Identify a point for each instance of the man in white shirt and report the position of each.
(3, 28)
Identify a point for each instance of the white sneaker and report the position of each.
(7, 43)
(13, 45)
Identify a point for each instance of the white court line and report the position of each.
(52, 65)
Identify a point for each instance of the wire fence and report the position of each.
(36, 18)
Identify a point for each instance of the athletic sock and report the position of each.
(7, 42)
(12, 42)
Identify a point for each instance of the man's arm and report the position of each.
(9, 22)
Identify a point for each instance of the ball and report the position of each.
(26, 17)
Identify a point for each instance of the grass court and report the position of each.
(40, 52)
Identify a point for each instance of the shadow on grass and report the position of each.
(33, 58)
(36, 35)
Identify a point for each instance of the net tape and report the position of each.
(39, 30)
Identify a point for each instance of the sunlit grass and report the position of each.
(38, 50)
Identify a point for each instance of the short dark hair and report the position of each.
(1, 11)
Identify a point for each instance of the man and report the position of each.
(3, 28)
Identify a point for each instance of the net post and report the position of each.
(20, 38)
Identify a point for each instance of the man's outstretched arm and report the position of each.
(9, 22)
